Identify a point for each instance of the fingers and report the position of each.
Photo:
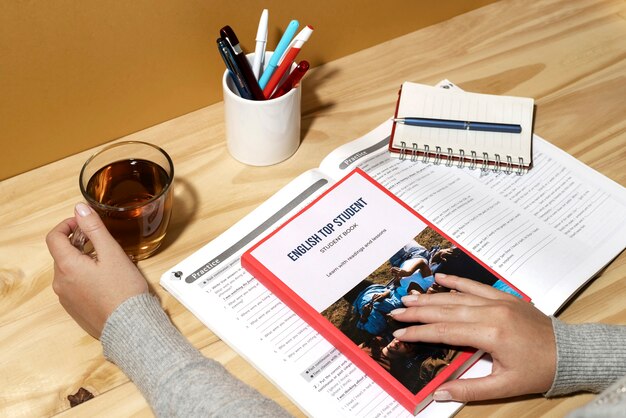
(468, 334)
(444, 312)
(58, 242)
(464, 318)
(446, 298)
(92, 226)
(461, 305)
(477, 389)
(471, 287)
(465, 291)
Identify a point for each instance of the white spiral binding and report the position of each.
(509, 165)
(449, 160)
(437, 159)
(461, 158)
(402, 155)
(426, 155)
(485, 161)
(496, 166)
(470, 162)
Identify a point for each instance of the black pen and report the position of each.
(459, 124)
(243, 65)
(231, 65)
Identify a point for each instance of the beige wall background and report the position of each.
(78, 73)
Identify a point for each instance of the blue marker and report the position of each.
(278, 52)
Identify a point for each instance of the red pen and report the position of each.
(292, 80)
(287, 60)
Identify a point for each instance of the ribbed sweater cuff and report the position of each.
(139, 337)
(589, 357)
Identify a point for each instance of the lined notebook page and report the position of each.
(418, 100)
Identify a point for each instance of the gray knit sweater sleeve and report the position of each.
(173, 376)
(590, 357)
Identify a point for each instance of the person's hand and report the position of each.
(518, 336)
(396, 272)
(90, 289)
(442, 255)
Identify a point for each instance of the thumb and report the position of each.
(93, 227)
(474, 389)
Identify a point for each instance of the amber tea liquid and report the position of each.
(127, 188)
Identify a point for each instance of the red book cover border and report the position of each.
(346, 346)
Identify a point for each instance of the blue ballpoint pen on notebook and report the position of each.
(278, 52)
(459, 124)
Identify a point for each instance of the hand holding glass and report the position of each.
(129, 185)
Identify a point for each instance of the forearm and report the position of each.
(589, 357)
(173, 376)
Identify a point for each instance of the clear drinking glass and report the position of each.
(129, 184)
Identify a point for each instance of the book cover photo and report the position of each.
(343, 264)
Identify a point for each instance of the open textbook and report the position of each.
(547, 232)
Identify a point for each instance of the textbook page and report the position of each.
(319, 379)
(547, 232)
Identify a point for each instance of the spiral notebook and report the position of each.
(441, 126)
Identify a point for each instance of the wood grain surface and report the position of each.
(568, 55)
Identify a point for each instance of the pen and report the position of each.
(287, 60)
(278, 52)
(242, 64)
(459, 124)
(292, 80)
(229, 60)
(259, 50)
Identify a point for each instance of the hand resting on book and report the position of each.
(513, 332)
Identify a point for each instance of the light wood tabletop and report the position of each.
(570, 56)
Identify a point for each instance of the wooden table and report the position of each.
(569, 55)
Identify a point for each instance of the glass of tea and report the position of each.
(129, 184)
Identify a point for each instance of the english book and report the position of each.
(343, 264)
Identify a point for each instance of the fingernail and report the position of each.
(442, 395)
(399, 332)
(397, 311)
(441, 275)
(82, 209)
(409, 298)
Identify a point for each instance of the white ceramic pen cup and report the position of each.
(261, 132)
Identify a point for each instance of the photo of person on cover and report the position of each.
(363, 313)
